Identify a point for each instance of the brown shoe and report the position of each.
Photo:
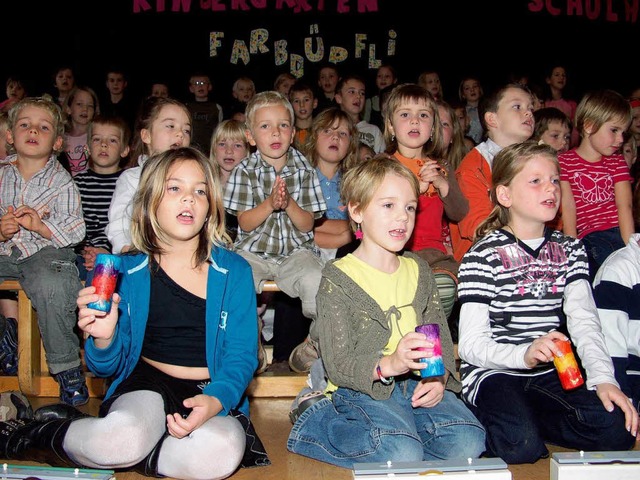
(279, 367)
(262, 358)
(303, 356)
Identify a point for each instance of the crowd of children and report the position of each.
(488, 215)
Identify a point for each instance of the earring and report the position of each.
(359, 233)
(393, 137)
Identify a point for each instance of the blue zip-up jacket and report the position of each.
(231, 328)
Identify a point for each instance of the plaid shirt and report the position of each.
(251, 183)
(53, 194)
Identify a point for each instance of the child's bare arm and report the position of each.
(624, 201)
(251, 219)
(332, 233)
(301, 219)
(274, 202)
(568, 210)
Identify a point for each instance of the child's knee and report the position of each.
(523, 450)
(399, 447)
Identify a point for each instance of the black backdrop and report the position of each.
(455, 37)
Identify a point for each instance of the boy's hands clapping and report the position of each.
(29, 219)
(279, 195)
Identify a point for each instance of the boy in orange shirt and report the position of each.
(507, 117)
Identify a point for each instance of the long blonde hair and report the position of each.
(506, 165)
(146, 232)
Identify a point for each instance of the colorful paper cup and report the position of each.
(105, 278)
(434, 365)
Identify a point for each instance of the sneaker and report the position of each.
(303, 356)
(9, 348)
(73, 388)
(14, 405)
(304, 402)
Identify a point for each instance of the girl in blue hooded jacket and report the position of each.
(180, 343)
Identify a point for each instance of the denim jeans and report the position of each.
(354, 428)
(600, 245)
(522, 413)
(50, 279)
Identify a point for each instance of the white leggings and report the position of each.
(134, 425)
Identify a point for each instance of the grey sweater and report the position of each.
(353, 330)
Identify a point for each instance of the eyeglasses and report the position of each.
(200, 82)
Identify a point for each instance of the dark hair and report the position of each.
(544, 117)
(491, 101)
(346, 78)
(301, 86)
(114, 121)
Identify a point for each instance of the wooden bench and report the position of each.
(33, 374)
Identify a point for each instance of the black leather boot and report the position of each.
(149, 466)
(58, 411)
(36, 441)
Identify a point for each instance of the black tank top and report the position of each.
(176, 332)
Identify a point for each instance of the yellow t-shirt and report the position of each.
(394, 293)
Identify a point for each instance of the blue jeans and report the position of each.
(600, 245)
(354, 428)
(522, 413)
(50, 279)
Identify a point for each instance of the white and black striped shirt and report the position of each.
(96, 191)
(523, 289)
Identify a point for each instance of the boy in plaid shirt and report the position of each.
(40, 218)
(276, 196)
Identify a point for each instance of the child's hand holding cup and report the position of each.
(434, 365)
(105, 277)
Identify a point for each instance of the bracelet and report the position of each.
(385, 381)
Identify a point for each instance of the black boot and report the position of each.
(57, 411)
(37, 441)
(149, 465)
